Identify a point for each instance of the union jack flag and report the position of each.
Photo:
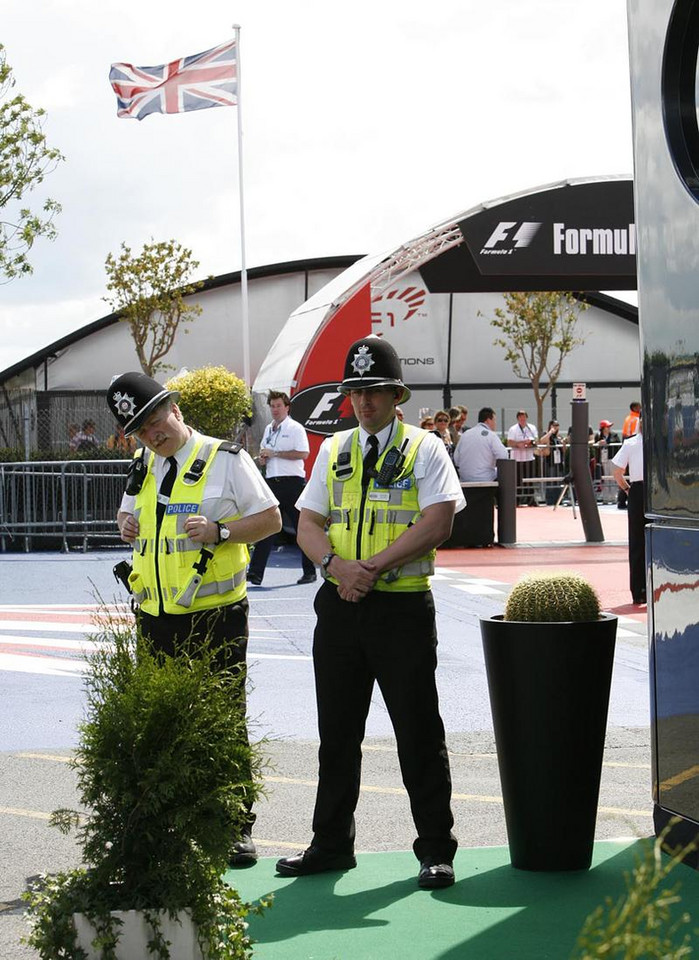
(207, 79)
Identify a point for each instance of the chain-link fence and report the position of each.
(43, 425)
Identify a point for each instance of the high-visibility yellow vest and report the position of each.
(190, 576)
(365, 521)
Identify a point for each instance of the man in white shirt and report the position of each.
(380, 499)
(631, 455)
(479, 449)
(282, 452)
(521, 437)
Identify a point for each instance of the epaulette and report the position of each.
(230, 447)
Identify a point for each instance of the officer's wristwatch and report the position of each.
(223, 532)
(325, 562)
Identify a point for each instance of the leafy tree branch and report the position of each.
(25, 159)
(149, 290)
(538, 330)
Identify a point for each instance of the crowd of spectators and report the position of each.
(544, 457)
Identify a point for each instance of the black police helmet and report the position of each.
(132, 397)
(372, 362)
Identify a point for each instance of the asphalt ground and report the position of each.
(43, 621)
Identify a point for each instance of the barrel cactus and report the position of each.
(557, 597)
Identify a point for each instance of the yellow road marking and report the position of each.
(679, 778)
(45, 756)
(19, 812)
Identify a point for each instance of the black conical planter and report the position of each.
(549, 689)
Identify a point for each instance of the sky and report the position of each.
(363, 125)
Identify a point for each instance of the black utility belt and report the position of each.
(279, 479)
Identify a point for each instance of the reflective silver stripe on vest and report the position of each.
(381, 515)
(416, 568)
(220, 586)
(391, 516)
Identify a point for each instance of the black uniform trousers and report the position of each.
(390, 638)
(171, 631)
(637, 542)
(287, 490)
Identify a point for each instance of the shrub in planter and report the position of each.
(165, 771)
(549, 668)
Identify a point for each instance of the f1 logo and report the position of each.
(522, 238)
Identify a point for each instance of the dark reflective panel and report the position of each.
(663, 49)
(675, 665)
(671, 395)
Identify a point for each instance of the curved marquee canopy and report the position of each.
(575, 235)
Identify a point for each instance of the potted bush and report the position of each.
(165, 771)
(549, 668)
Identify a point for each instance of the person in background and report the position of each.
(189, 499)
(607, 444)
(282, 452)
(628, 430)
(118, 442)
(376, 616)
(630, 457)
(441, 430)
(457, 421)
(399, 414)
(427, 423)
(479, 449)
(554, 442)
(521, 437)
(85, 440)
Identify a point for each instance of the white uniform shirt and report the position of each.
(518, 432)
(288, 435)
(631, 455)
(233, 484)
(435, 476)
(477, 452)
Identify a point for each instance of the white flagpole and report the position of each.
(243, 270)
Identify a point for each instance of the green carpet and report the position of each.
(493, 912)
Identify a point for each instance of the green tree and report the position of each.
(213, 400)
(25, 159)
(538, 331)
(149, 292)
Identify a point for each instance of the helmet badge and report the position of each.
(363, 361)
(125, 404)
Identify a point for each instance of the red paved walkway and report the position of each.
(551, 539)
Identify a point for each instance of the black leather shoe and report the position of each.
(308, 578)
(314, 860)
(434, 875)
(244, 852)
(639, 601)
(254, 579)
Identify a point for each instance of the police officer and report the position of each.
(381, 498)
(192, 503)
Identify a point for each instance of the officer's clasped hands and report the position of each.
(356, 578)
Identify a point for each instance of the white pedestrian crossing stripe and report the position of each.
(54, 639)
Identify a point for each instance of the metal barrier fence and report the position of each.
(545, 472)
(47, 504)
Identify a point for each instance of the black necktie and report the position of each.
(370, 458)
(166, 486)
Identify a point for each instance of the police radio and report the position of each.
(136, 476)
(391, 466)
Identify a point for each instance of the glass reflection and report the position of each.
(675, 664)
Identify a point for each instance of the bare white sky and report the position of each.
(363, 125)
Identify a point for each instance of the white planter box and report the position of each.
(135, 933)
